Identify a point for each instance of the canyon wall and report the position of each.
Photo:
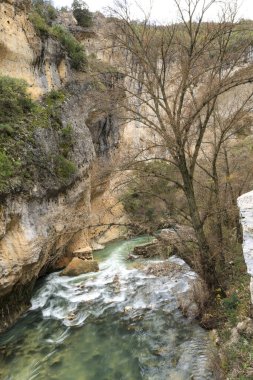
(51, 218)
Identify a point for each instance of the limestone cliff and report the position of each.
(245, 203)
(42, 63)
(48, 218)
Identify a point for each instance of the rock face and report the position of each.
(245, 203)
(42, 63)
(78, 266)
(46, 223)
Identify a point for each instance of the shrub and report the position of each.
(81, 13)
(231, 303)
(66, 140)
(39, 23)
(55, 98)
(7, 169)
(14, 100)
(65, 169)
(6, 129)
(73, 47)
(42, 15)
(45, 9)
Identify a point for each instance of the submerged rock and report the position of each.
(78, 266)
(71, 316)
(116, 284)
(97, 246)
(152, 249)
(82, 253)
(164, 268)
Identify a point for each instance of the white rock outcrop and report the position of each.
(245, 203)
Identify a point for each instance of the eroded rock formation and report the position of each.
(41, 223)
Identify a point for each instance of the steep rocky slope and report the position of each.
(47, 217)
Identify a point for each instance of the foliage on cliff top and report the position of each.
(42, 16)
(45, 9)
(81, 13)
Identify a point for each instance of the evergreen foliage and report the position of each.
(73, 47)
(81, 13)
(14, 100)
(42, 16)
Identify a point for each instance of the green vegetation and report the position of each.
(47, 113)
(42, 15)
(8, 167)
(39, 23)
(15, 102)
(15, 107)
(65, 169)
(20, 118)
(66, 143)
(224, 314)
(74, 49)
(45, 9)
(6, 129)
(82, 13)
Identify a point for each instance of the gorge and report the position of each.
(126, 142)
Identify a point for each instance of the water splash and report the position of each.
(119, 323)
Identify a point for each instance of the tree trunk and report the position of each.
(206, 259)
(218, 217)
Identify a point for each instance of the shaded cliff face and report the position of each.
(49, 217)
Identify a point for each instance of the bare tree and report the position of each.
(175, 77)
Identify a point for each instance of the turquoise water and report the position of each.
(117, 324)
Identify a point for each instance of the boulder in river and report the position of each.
(151, 249)
(84, 253)
(81, 253)
(78, 266)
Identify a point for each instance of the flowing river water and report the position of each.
(118, 324)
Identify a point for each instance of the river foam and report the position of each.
(118, 323)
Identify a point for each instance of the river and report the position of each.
(117, 324)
